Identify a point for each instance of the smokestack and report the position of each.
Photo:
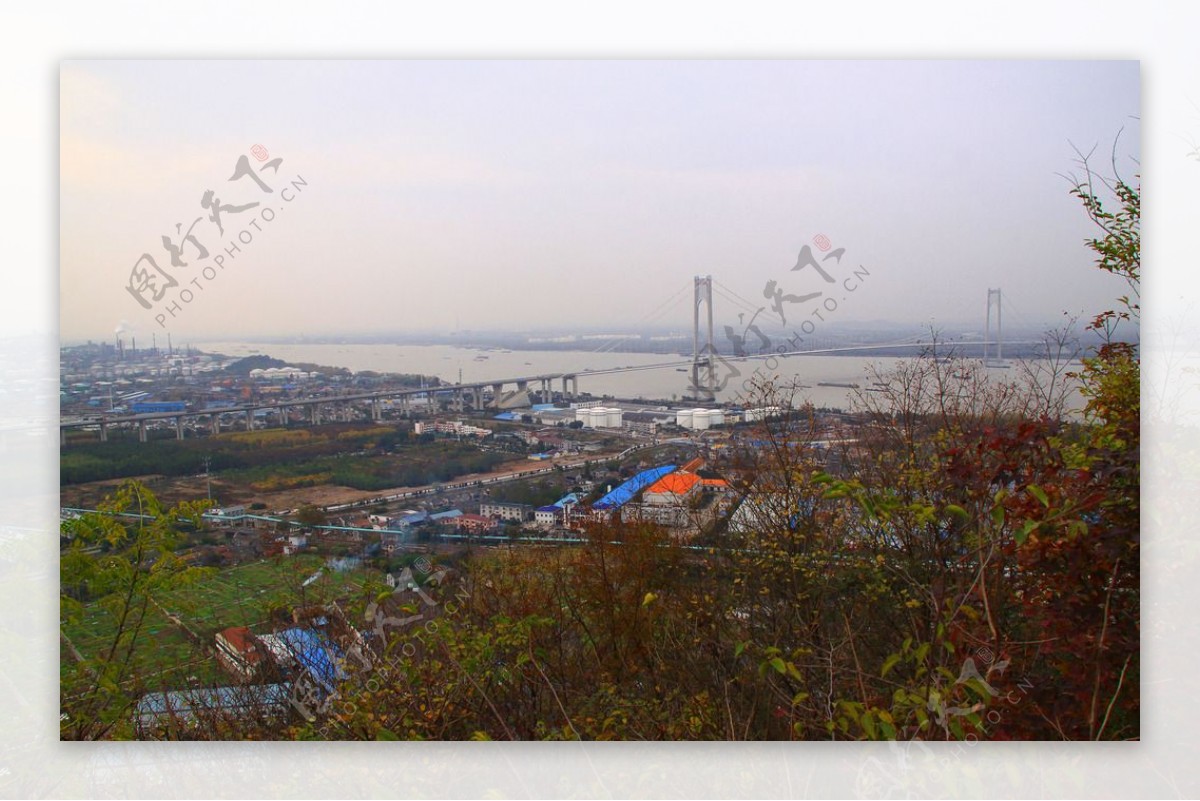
(170, 352)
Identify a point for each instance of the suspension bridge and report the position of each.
(703, 363)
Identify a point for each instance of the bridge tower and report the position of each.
(987, 332)
(704, 372)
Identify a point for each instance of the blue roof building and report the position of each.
(625, 492)
(314, 652)
(410, 520)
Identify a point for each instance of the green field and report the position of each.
(239, 596)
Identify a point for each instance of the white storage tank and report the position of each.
(700, 419)
(683, 418)
(716, 417)
(613, 417)
(584, 416)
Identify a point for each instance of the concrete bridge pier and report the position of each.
(103, 432)
(314, 411)
(249, 419)
(376, 411)
(141, 430)
(214, 421)
(179, 427)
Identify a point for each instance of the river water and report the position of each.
(449, 362)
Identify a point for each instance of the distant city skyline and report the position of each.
(509, 195)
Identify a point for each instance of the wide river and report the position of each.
(448, 362)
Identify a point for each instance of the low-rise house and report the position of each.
(555, 513)
(546, 516)
(646, 422)
(517, 512)
(238, 652)
(446, 517)
(475, 524)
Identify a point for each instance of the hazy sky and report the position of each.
(536, 194)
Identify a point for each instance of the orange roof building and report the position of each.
(237, 651)
(672, 488)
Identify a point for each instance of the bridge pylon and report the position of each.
(704, 370)
(998, 357)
